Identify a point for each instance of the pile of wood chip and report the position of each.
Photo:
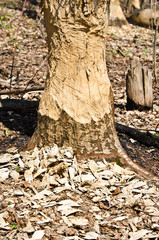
(49, 194)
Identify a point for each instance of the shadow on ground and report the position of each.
(21, 121)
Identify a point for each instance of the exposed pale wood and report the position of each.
(116, 16)
(144, 17)
(139, 86)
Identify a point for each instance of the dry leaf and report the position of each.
(28, 175)
(91, 235)
(4, 174)
(139, 234)
(5, 158)
(15, 175)
(78, 221)
(38, 235)
(29, 228)
(69, 203)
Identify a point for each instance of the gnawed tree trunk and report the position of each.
(139, 86)
(135, 3)
(116, 16)
(146, 17)
(76, 108)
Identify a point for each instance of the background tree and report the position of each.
(76, 108)
(119, 10)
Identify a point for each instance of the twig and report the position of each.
(21, 90)
(15, 46)
(37, 71)
(157, 127)
(154, 49)
(120, 51)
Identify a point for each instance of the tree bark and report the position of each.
(76, 108)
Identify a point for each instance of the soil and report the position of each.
(29, 70)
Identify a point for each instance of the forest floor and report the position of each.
(16, 128)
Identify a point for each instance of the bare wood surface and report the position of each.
(144, 17)
(139, 86)
(116, 15)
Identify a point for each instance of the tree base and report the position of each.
(95, 140)
(131, 105)
(90, 138)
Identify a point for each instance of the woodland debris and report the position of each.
(146, 17)
(18, 105)
(138, 86)
(27, 208)
(96, 200)
(145, 138)
(5, 158)
(21, 90)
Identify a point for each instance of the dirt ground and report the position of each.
(29, 70)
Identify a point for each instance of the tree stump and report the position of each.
(139, 86)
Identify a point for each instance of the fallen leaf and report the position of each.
(5, 158)
(91, 235)
(29, 228)
(15, 175)
(78, 221)
(69, 203)
(37, 235)
(4, 174)
(139, 234)
(28, 175)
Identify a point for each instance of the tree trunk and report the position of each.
(76, 108)
(116, 16)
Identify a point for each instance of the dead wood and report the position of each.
(145, 17)
(145, 138)
(154, 51)
(18, 105)
(22, 90)
(139, 86)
